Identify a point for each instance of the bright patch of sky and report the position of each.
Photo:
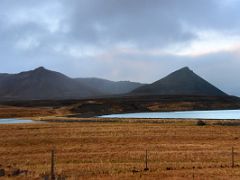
(208, 42)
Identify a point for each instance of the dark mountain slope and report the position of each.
(42, 84)
(181, 82)
(110, 87)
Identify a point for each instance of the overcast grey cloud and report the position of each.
(137, 40)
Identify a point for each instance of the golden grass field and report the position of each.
(12, 112)
(100, 150)
(32, 112)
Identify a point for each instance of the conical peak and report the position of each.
(185, 69)
(181, 82)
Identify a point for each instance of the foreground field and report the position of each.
(117, 150)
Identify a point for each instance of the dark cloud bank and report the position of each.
(138, 40)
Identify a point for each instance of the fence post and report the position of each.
(193, 175)
(232, 157)
(52, 165)
(146, 161)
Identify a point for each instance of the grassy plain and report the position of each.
(116, 150)
(23, 112)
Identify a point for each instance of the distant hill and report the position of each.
(3, 76)
(42, 84)
(181, 82)
(110, 87)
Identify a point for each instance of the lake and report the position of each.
(216, 114)
(15, 121)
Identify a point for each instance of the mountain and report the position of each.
(181, 82)
(110, 87)
(42, 84)
(3, 76)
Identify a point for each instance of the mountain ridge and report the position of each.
(108, 86)
(41, 83)
(180, 82)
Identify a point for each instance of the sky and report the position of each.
(136, 40)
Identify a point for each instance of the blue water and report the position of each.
(15, 121)
(216, 114)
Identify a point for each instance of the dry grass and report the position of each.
(16, 112)
(113, 150)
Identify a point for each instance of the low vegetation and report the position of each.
(116, 150)
(94, 107)
(201, 123)
(18, 112)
